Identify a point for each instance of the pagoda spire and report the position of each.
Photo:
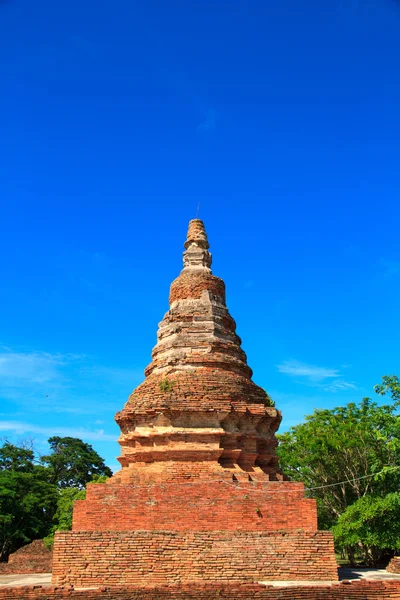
(196, 256)
(198, 402)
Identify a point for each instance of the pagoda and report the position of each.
(199, 496)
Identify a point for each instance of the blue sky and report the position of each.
(281, 118)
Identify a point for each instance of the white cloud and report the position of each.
(20, 427)
(340, 386)
(43, 394)
(299, 369)
(313, 375)
(37, 367)
(69, 383)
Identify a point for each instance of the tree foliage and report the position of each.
(73, 463)
(390, 385)
(14, 458)
(27, 499)
(62, 520)
(347, 454)
(357, 445)
(36, 496)
(63, 516)
(369, 527)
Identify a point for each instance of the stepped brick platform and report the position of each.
(160, 558)
(32, 558)
(200, 496)
(214, 504)
(354, 590)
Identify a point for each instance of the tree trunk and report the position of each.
(5, 551)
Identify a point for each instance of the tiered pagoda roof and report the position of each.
(198, 383)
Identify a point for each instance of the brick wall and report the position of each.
(356, 590)
(32, 558)
(208, 505)
(84, 559)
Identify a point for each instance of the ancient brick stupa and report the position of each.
(200, 496)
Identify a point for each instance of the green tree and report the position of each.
(390, 385)
(14, 458)
(369, 527)
(357, 445)
(36, 499)
(73, 463)
(63, 516)
(27, 505)
(65, 505)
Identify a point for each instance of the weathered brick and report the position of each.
(354, 590)
(32, 558)
(200, 496)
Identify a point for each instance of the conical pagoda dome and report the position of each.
(198, 396)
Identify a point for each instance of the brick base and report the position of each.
(354, 590)
(209, 503)
(85, 559)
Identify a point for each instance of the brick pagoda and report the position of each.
(199, 496)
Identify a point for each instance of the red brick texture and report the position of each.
(354, 590)
(87, 559)
(203, 505)
(198, 401)
(200, 496)
(32, 558)
(191, 285)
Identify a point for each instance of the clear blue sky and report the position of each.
(281, 118)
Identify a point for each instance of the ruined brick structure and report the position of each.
(200, 496)
(394, 565)
(32, 558)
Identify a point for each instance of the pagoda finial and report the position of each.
(196, 257)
